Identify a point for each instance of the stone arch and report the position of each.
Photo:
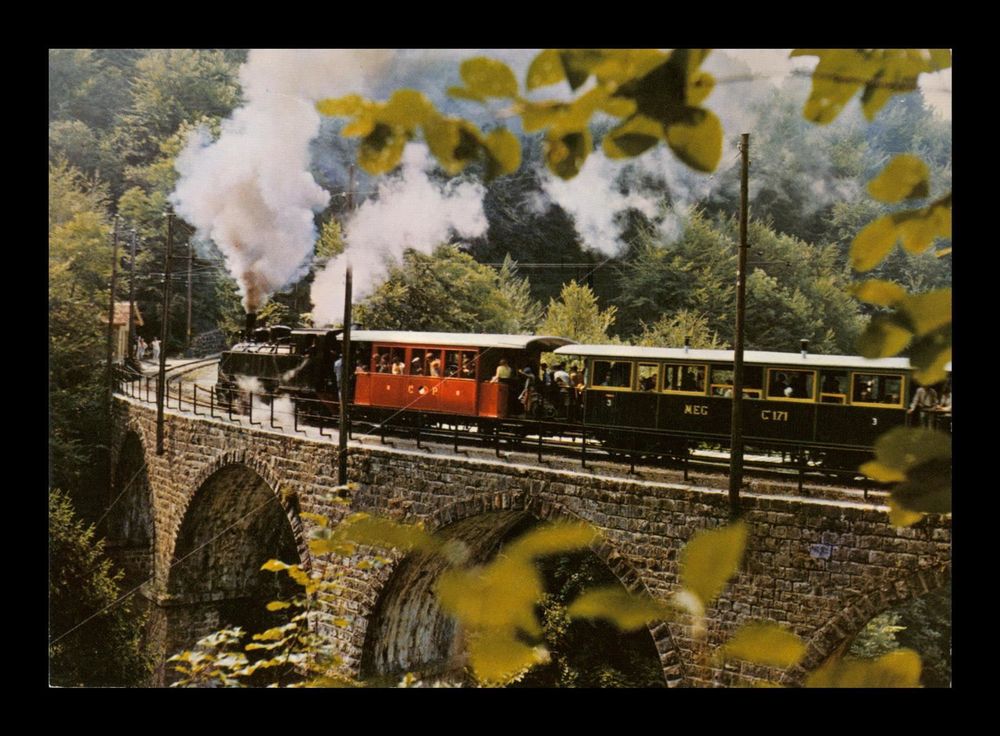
(860, 609)
(405, 589)
(233, 522)
(130, 523)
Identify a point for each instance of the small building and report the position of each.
(119, 336)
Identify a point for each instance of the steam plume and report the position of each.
(251, 191)
(409, 211)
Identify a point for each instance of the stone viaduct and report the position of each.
(195, 524)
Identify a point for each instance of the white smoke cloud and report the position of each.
(251, 191)
(408, 211)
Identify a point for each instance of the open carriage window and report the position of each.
(791, 384)
(870, 388)
(684, 378)
(833, 387)
(612, 373)
(460, 364)
(647, 376)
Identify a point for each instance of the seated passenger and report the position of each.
(383, 364)
(398, 368)
(433, 365)
(416, 369)
(503, 372)
(647, 384)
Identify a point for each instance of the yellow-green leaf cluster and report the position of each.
(707, 562)
(915, 229)
(627, 611)
(919, 461)
(765, 643)
(877, 73)
(385, 128)
(921, 322)
(900, 668)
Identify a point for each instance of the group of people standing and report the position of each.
(932, 408)
(147, 351)
(554, 385)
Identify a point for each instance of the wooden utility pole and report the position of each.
(111, 312)
(344, 382)
(165, 333)
(187, 342)
(131, 298)
(350, 190)
(110, 346)
(736, 440)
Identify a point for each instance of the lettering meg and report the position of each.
(696, 409)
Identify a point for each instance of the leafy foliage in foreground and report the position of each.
(104, 651)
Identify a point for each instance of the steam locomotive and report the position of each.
(639, 399)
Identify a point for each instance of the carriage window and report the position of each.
(869, 388)
(460, 363)
(722, 381)
(389, 360)
(647, 376)
(612, 373)
(426, 362)
(787, 383)
(833, 387)
(686, 378)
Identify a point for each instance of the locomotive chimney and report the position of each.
(804, 344)
(251, 324)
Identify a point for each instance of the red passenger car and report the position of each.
(445, 373)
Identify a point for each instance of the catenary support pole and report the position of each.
(164, 335)
(736, 440)
(344, 383)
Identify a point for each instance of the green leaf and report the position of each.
(710, 559)
(317, 519)
(566, 153)
(928, 311)
(900, 668)
(552, 539)
(407, 108)
(898, 516)
(278, 605)
(488, 77)
(920, 461)
(538, 115)
(697, 139)
(873, 243)
(765, 643)
(545, 69)
(378, 532)
(504, 153)
(579, 64)
(882, 293)
(930, 353)
(633, 137)
(453, 141)
(342, 106)
(905, 177)
(497, 655)
(903, 448)
(883, 337)
(381, 150)
(626, 611)
(920, 228)
(502, 594)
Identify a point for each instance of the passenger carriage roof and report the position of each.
(459, 339)
(760, 357)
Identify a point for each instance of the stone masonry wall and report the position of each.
(823, 568)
